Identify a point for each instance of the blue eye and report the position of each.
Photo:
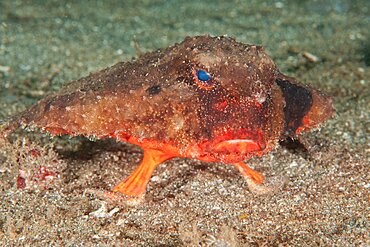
(202, 79)
(203, 76)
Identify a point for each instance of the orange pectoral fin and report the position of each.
(135, 184)
(246, 171)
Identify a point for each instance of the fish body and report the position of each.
(208, 98)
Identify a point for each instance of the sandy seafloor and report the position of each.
(325, 200)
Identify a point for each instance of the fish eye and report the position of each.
(203, 75)
(203, 79)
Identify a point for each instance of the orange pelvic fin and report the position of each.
(135, 184)
(246, 171)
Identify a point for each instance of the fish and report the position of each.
(212, 99)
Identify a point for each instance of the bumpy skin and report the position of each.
(159, 103)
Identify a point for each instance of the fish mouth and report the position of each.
(242, 146)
